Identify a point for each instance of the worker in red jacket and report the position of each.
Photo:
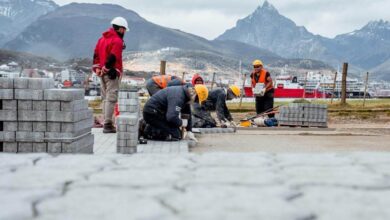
(107, 64)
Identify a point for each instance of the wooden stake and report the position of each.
(184, 74)
(334, 87)
(212, 82)
(304, 86)
(344, 85)
(365, 91)
(163, 67)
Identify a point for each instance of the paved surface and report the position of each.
(155, 186)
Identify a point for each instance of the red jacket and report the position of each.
(109, 43)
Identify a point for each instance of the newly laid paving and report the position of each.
(189, 186)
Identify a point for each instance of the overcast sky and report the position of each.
(210, 18)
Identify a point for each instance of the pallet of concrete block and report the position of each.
(304, 115)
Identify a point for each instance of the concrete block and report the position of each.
(28, 94)
(127, 143)
(39, 106)
(129, 108)
(69, 116)
(40, 147)
(21, 83)
(23, 136)
(25, 147)
(9, 126)
(8, 115)
(54, 148)
(74, 106)
(10, 147)
(25, 105)
(127, 128)
(32, 116)
(82, 145)
(65, 137)
(134, 102)
(39, 126)
(40, 83)
(53, 127)
(127, 136)
(127, 120)
(53, 106)
(63, 94)
(128, 95)
(77, 126)
(6, 94)
(6, 83)
(9, 105)
(7, 136)
(25, 126)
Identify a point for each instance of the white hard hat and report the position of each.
(121, 22)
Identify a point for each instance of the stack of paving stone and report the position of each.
(304, 115)
(35, 117)
(128, 122)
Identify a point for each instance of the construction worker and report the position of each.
(197, 79)
(157, 83)
(169, 110)
(107, 64)
(263, 88)
(217, 102)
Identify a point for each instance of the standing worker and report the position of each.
(157, 83)
(169, 110)
(263, 88)
(197, 79)
(107, 64)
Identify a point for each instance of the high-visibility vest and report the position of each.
(162, 81)
(262, 78)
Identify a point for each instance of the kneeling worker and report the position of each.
(157, 83)
(217, 102)
(170, 110)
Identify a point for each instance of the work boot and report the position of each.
(109, 129)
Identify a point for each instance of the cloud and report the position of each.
(209, 19)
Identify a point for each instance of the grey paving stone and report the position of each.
(10, 126)
(23, 136)
(8, 115)
(25, 105)
(53, 106)
(10, 147)
(54, 126)
(74, 106)
(65, 137)
(40, 83)
(28, 94)
(63, 94)
(127, 135)
(31, 116)
(82, 145)
(127, 120)
(7, 136)
(6, 94)
(9, 104)
(127, 150)
(39, 106)
(21, 83)
(39, 126)
(25, 147)
(6, 83)
(54, 148)
(39, 147)
(77, 126)
(53, 116)
(25, 126)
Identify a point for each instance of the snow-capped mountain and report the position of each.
(15, 15)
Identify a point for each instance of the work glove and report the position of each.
(191, 136)
(262, 92)
(184, 123)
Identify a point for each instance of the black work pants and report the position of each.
(265, 103)
(160, 128)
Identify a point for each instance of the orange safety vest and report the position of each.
(162, 81)
(262, 78)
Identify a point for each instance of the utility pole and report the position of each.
(365, 91)
(334, 87)
(344, 85)
(243, 91)
(304, 86)
(163, 67)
